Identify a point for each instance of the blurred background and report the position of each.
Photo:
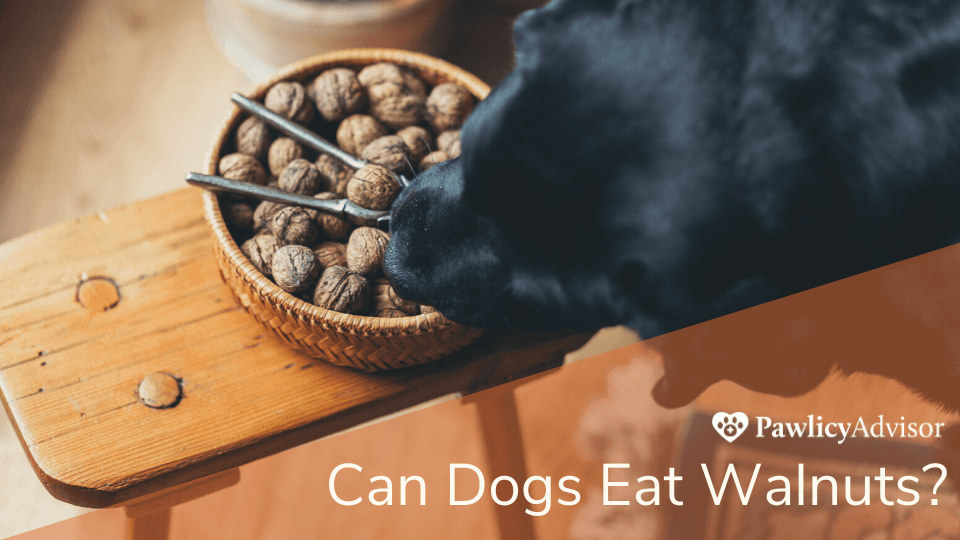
(106, 102)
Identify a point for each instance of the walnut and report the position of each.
(384, 297)
(331, 254)
(341, 188)
(357, 131)
(373, 187)
(341, 290)
(331, 226)
(398, 110)
(289, 99)
(433, 158)
(365, 250)
(338, 93)
(396, 96)
(253, 138)
(449, 142)
(335, 172)
(281, 153)
(383, 91)
(264, 212)
(301, 177)
(415, 85)
(237, 215)
(417, 140)
(428, 309)
(389, 151)
(295, 268)
(260, 250)
(448, 106)
(383, 72)
(242, 168)
(292, 225)
(392, 86)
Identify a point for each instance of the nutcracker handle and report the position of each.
(342, 208)
(303, 135)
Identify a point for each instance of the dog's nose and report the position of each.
(417, 221)
(443, 254)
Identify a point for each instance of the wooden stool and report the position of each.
(133, 378)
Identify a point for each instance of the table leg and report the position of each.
(503, 446)
(501, 436)
(154, 526)
(148, 518)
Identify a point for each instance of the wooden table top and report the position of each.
(72, 358)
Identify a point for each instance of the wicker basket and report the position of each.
(365, 343)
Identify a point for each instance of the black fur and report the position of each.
(660, 163)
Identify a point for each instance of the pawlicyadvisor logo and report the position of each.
(732, 426)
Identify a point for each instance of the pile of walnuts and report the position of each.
(383, 114)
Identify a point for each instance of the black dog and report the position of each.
(659, 163)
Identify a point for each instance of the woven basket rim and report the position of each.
(343, 322)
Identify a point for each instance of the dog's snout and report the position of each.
(441, 253)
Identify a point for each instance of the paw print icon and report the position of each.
(730, 426)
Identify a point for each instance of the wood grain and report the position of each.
(69, 375)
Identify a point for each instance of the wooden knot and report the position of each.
(159, 390)
(98, 293)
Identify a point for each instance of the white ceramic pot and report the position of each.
(260, 36)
